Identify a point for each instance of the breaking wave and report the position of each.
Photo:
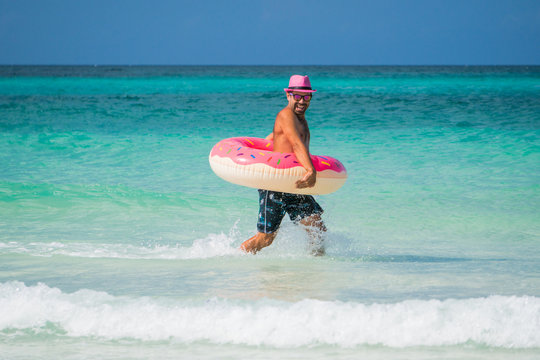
(495, 321)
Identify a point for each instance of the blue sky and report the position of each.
(271, 32)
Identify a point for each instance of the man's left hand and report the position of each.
(309, 180)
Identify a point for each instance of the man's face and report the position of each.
(298, 102)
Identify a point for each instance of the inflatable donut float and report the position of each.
(250, 162)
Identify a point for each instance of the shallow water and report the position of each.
(116, 238)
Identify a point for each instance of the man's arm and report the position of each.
(287, 124)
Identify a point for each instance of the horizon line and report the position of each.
(264, 65)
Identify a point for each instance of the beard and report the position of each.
(300, 109)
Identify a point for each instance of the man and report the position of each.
(291, 135)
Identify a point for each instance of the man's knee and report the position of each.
(314, 221)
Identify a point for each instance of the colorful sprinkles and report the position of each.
(256, 148)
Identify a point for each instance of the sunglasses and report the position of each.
(299, 97)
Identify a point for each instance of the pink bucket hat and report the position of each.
(299, 83)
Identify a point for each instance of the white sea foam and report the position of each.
(214, 245)
(495, 321)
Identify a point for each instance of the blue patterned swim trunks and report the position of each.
(274, 205)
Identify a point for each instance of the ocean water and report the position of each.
(118, 242)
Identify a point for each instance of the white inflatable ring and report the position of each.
(251, 162)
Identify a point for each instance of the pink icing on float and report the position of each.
(250, 161)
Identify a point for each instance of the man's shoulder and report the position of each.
(286, 114)
(286, 111)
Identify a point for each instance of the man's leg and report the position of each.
(257, 242)
(316, 229)
(271, 213)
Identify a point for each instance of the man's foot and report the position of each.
(318, 251)
(257, 242)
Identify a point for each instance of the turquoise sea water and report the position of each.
(118, 242)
